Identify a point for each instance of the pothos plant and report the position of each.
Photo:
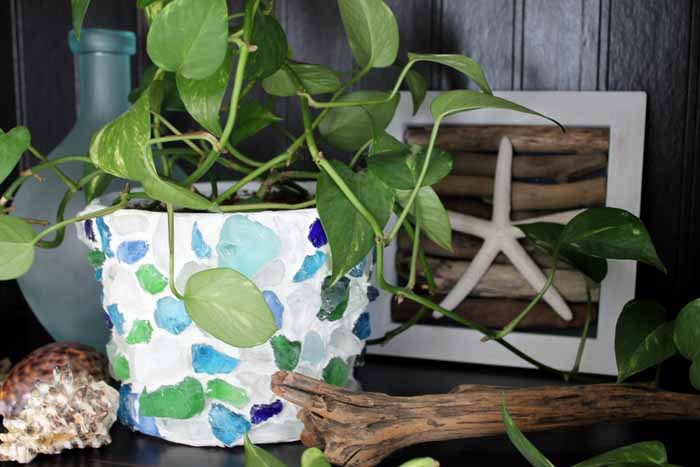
(203, 53)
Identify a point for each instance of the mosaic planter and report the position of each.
(181, 384)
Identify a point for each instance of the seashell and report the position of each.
(39, 366)
(69, 411)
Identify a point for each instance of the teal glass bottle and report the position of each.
(61, 287)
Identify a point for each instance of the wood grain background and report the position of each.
(647, 45)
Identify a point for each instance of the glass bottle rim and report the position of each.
(96, 40)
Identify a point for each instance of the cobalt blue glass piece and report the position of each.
(105, 236)
(359, 269)
(317, 236)
(206, 359)
(372, 293)
(227, 426)
(89, 231)
(310, 266)
(108, 321)
(171, 315)
(199, 246)
(126, 413)
(261, 412)
(363, 327)
(275, 306)
(132, 252)
(117, 318)
(246, 245)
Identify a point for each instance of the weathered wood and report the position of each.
(559, 167)
(362, 428)
(496, 313)
(529, 195)
(484, 210)
(501, 280)
(525, 139)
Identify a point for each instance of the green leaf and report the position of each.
(643, 338)
(313, 457)
(350, 236)
(545, 236)
(190, 37)
(97, 185)
(78, 8)
(252, 117)
(202, 97)
(372, 31)
(165, 96)
(421, 462)
(418, 87)
(695, 373)
(169, 192)
(611, 233)
(687, 331)
(646, 453)
(384, 143)
(16, 247)
(452, 102)
(258, 457)
(121, 147)
(316, 79)
(461, 63)
(230, 307)
(401, 170)
(348, 128)
(12, 146)
(435, 222)
(526, 448)
(271, 53)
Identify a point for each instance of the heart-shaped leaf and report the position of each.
(202, 97)
(271, 52)
(686, 333)
(461, 63)
(121, 147)
(16, 247)
(350, 236)
(313, 457)
(168, 192)
(348, 128)
(545, 236)
(452, 102)
(401, 170)
(434, 221)
(78, 10)
(316, 79)
(227, 305)
(523, 445)
(418, 87)
(258, 457)
(252, 117)
(12, 146)
(643, 338)
(611, 233)
(190, 37)
(384, 143)
(372, 31)
(645, 453)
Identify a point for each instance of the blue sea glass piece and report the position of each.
(359, 269)
(105, 237)
(98, 274)
(372, 293)
(275, 306)
(132, 252)
(246, 245)
(116, 317)
(206, 359)
(310, 266)
(313, 350)
(127, 414)
(147, 426)
(108, 321)
(227, 426)
(363, 327)
(89, 230)
(261, 412)
(171, 315)
(317, 236)
(199, 246)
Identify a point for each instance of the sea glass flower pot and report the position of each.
(181, 384)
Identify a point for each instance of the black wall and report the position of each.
(647, 45)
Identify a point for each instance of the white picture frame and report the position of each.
(624, 114)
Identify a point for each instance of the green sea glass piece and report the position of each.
(120, 367)
(225, 392)
(140, 333)
(336, 372)
(151, 280)
(180, 401)
(96, 258)
(286, 352)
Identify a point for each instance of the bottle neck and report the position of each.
(104, 83)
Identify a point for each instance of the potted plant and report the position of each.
(211, 287)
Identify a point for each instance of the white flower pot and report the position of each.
(180, 383)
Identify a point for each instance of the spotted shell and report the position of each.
(39, 366)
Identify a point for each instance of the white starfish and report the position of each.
(501, 234)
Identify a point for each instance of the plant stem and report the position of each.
(414, 255)
(358, 154)
(203, 136)
(60, 234)
(171, 252)
(64, 178)
(17, 183)
(584, 334)
(267, 206)
(386, 338)
(242, 157)
(281, 159)
(287, 175)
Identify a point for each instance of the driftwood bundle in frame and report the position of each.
(597, 162)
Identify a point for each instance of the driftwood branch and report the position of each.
(361, 429)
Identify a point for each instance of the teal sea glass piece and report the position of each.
(246, 245)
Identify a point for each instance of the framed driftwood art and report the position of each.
(512, 168)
